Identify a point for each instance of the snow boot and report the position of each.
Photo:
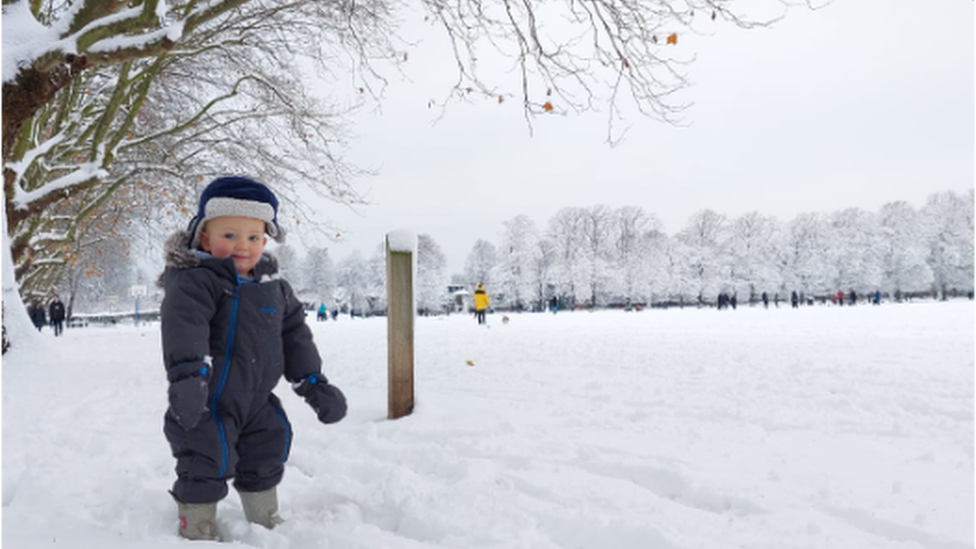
(262, 507)
(198, 521)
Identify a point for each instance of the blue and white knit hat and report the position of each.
(236, 196)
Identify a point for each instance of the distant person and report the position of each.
(734, 300)
(335, 313)
(877, 297)
(795, 300)
(56, 314)
(554, 304)
(765, 300)
(231, 328)
(853, 297)
(840, 297)
(776, 299)
(323, 313)
(37, 315)
(481, 303)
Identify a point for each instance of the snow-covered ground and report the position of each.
(823, 427)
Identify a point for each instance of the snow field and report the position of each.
(818, 427)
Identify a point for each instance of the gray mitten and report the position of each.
(188, 400)
(327, 400)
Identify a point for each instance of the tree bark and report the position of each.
(31, 90)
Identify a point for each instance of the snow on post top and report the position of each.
(402, 241)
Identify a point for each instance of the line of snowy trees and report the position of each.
(357, 284)
(599, 256)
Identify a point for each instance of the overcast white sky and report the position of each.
(857, 104)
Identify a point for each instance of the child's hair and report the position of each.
(236, 196)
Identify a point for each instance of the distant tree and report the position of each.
(319, 275)
(809, 269)
(431, 283)
(656, 266)
(631, 225)
(480, 263)
(541, 275)
(353, 282)
(857, 250)
(289, 267)
(514, 275)
(376, 279)
(100, 278)
(705, 259)
(754, 253)
(904, 250)
(948, 221)
(569, 273)
(598, 252)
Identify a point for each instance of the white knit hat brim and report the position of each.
(222, 206)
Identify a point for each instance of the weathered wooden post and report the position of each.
(400, 313)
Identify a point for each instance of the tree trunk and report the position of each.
(17, 326)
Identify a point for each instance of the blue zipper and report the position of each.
(228, 356)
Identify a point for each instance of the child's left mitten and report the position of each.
(327, 400)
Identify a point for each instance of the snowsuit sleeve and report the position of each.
(186, 313)
(301, 356)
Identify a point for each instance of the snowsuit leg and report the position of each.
(203, 455)
(209, 454)
(262, 447)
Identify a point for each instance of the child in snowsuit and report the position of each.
(230, 329)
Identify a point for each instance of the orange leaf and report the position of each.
(547, 107)
(501, 100)
(713, 16)
(673, 39)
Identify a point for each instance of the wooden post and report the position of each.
(399, 323)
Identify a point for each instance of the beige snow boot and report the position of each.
(262, 507)
(198, 521)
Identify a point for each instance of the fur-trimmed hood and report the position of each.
(179, 255)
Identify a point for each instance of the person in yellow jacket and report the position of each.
(481, 303)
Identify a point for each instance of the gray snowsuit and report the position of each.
(239, 336)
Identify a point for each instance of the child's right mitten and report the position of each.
(188, 399)
(327, 400)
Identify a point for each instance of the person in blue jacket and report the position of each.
(231, 328)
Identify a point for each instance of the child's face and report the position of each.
(239, 237)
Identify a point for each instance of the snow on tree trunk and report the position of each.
(18, 331)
